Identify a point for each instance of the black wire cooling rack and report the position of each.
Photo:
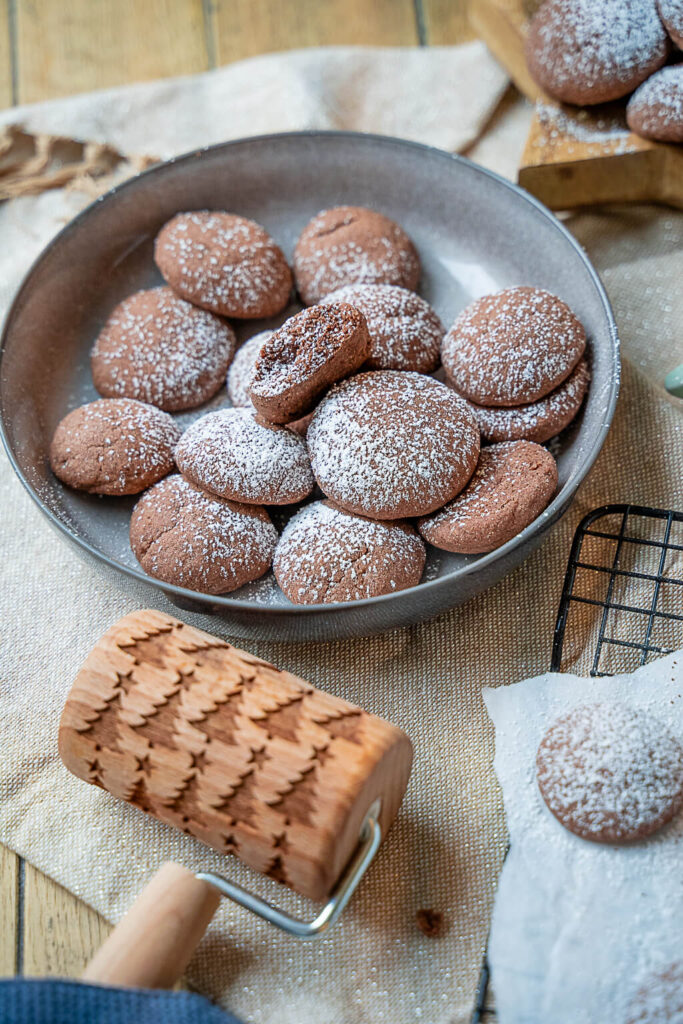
(621, 607)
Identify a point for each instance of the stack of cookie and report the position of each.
(585, 52)
(342, 397)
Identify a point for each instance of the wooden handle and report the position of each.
(153, 944)
(246, 757)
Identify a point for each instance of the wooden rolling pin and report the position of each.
(225, 747)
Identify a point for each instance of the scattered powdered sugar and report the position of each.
(538, 421)
(224, 262)
(656, 108)
(390, 444)
(513, 347)
(610, 772)
(597, 43)
(185, 536)
(160, 349)
(327, 555)
(405, 332)
(114, 446)
(235, 455)
(242, 370)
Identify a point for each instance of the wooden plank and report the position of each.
(502, 24)
(447, 22)
(60, 932)
(243, 28)
(5, 55)
(575, 158)
(91, 44)
(9, 901)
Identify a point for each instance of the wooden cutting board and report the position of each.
(576, 156)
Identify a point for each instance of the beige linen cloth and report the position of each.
(446, 849)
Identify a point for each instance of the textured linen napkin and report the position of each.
(580, 929)
(447, 847)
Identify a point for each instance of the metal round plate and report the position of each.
(475, 233)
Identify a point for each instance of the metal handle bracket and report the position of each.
(368, 844)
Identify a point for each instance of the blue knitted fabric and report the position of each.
(72, 1002)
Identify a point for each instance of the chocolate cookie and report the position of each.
(242, 370)
(326, 555)
(540, 420)
(512, 348)
(405, 332)
(610, 773)
(160, 349)
(224, 263)
(594, 51)
(352, 245)
(671, 13)
(655, 110)
(113, 446)
(192, 539)
(235, 454)
(309, 352)
(390, 445)
(512, 484)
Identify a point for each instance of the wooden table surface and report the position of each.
(52, 48)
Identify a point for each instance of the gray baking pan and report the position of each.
(475, 233)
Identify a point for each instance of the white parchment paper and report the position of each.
(579, 927)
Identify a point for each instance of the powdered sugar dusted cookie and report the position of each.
(655, 110)
(352, 245)
(593, 51)
(326, 555)
(192, 539)
(540, 420)
(242, 370)
(405, 332)
(389, 444)
(224, 263)
(671, 13)
(308, 353)
(237, 455)
(160, 349)
(512, 348)
(512, 484)
(610, 773)
(113, 446)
